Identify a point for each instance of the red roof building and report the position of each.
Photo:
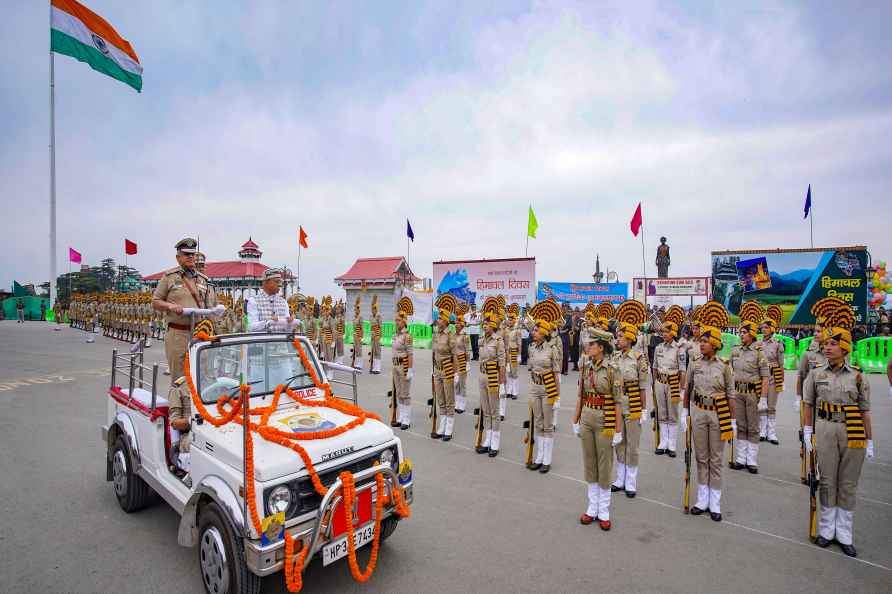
(384, 278)
(244, 274)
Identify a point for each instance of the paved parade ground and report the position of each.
(477, 525)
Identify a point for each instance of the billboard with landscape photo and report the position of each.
(793, 279)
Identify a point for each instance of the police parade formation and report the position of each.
(719, 413)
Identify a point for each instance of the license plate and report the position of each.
(338, 549)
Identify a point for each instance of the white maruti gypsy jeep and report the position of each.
(232, 556)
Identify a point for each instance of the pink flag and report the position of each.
(74, 256)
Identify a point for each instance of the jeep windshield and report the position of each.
(262, 365)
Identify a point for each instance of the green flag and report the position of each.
(532, 224)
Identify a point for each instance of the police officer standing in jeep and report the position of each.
(179, 288)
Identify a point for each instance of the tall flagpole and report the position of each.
(643, 265)
(298, 265)
(52, 172)
(811, 221)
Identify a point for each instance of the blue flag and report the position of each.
(807, 202)
(409, 233)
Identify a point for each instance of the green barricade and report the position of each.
(387, 330)
(803, 345)
(872, 354)
(366, 333)
(421, 335)
(50, 315)
(348, 333)
(728, 341)
(791, 359)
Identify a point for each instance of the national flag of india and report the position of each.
(79, 32)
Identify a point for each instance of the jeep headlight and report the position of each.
(279, 500)
(387, 458)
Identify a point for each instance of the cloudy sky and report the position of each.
(349, 117)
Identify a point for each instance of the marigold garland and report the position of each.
(293, 564)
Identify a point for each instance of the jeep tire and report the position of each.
(388, 525)
(221, 556)
(132, 492)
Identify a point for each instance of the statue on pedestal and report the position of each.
(663, 260)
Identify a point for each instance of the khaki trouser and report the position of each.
(175, 344)
(839, 464)
(376, 348)
(489, 405)
(772, 397)
(339, 347)
(597, 448)
(627, 450)
(461, 385)
(328, 351)
(747, 415)
(445, 391)
(708, 446)
(543, 413)
(401, 384)
(668, 412)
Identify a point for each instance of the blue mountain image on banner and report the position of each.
(791, 283)
(456, 282)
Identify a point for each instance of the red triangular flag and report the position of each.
(636, 221)
(303, 238)
(129, 247)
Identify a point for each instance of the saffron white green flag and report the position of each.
(78, 32)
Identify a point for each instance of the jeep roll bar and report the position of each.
(132, 366)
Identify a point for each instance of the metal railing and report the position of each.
(354, 385)
(132, 366)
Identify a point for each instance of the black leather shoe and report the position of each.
(395, 424)
(493, 453)
(435, 435)
(501, 418)
(773, 442)
(461, 412)
(404, 427)
(762, 438)
(545, 468)
(614, 488)
(848, 550)
(822, 542)
(752, 469)
(715, 517)
(659, 451)
(736, 466)
(512, 396)
(671, 453)
(696, 511)
(481, 449)
(532, 466)
(631, 494)
(447, 438)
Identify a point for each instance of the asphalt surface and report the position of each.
(477, 525)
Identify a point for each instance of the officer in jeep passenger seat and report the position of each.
(180, 402)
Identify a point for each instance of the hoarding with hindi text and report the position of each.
(575, 294)
(475, 280)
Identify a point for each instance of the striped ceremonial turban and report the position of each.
(713, 317)
(751, 315)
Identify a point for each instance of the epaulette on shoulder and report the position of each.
(202, 275)
(637, 354)
(724, 360)
(180, 381)
(171, 271)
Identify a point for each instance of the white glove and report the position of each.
(806, 436)
(617, 439)
(763, 403)
(501, 390)
(410, 373)
(683, 420)
(870, 449)
(576, 431)
(798, 402)
(643, 420)
(557, 403)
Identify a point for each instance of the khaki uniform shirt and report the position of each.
(708, 377)
(401, 345)
(632, 366)
(327, 322)
(491, 348)
(601, 379)
(445, 346)
(840, 385)
(180, 402)
(375, 327)
(670, 357)
(812, 358)
(748, 363)
(514, 341)
(773, 350)
(543, 357)
(174, 288)
(692, 350)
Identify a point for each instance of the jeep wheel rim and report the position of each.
(214, 568)
(119, 470)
